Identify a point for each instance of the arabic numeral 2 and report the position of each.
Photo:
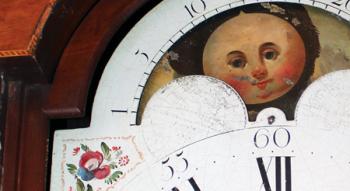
(196, 7)
(340, 3)
(280, 138)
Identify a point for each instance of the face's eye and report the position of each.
(270, 54)
(238, 63)
(236, 59)
(269, 51)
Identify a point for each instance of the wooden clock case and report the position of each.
(51, 81)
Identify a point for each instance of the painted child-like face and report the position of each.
(260, 55)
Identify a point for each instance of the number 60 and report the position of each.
(262, 138)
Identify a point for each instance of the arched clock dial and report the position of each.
(190, 109)
(219, 95)
(268, 155)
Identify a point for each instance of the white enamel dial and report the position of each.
(219, 95)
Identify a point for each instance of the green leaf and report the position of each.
(80, 185)
(117, 173)
(84, 147)
(106, 151)
(113, 165)
(89, 188)
(114, 177)
(72, 168)
(107, 181)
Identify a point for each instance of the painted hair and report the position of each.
(191, 46)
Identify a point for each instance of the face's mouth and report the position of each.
(262, 84)
(265, 95)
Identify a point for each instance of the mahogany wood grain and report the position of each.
(33, 34)
(26, 136)
(11, 136)
(33, 138)
(18, 20)
(67, 98)
(57, 31)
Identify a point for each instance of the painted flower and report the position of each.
(96, 165)
(124, 160)
(76, 151)
(85, 174)
(116, 148)
(102, 172)
(91, 160)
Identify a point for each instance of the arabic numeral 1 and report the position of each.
(196, 7)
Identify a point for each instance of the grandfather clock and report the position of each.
(198, 95)
(51, 55)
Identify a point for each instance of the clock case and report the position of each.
(52, 85)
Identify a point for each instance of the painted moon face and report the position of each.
(260, 55)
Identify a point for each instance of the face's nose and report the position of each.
(259, 72)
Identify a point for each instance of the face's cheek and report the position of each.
(243, 87)
(284, 74)
(289, 73)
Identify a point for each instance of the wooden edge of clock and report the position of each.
(69, 91)
(36, 62)
(65, 17)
